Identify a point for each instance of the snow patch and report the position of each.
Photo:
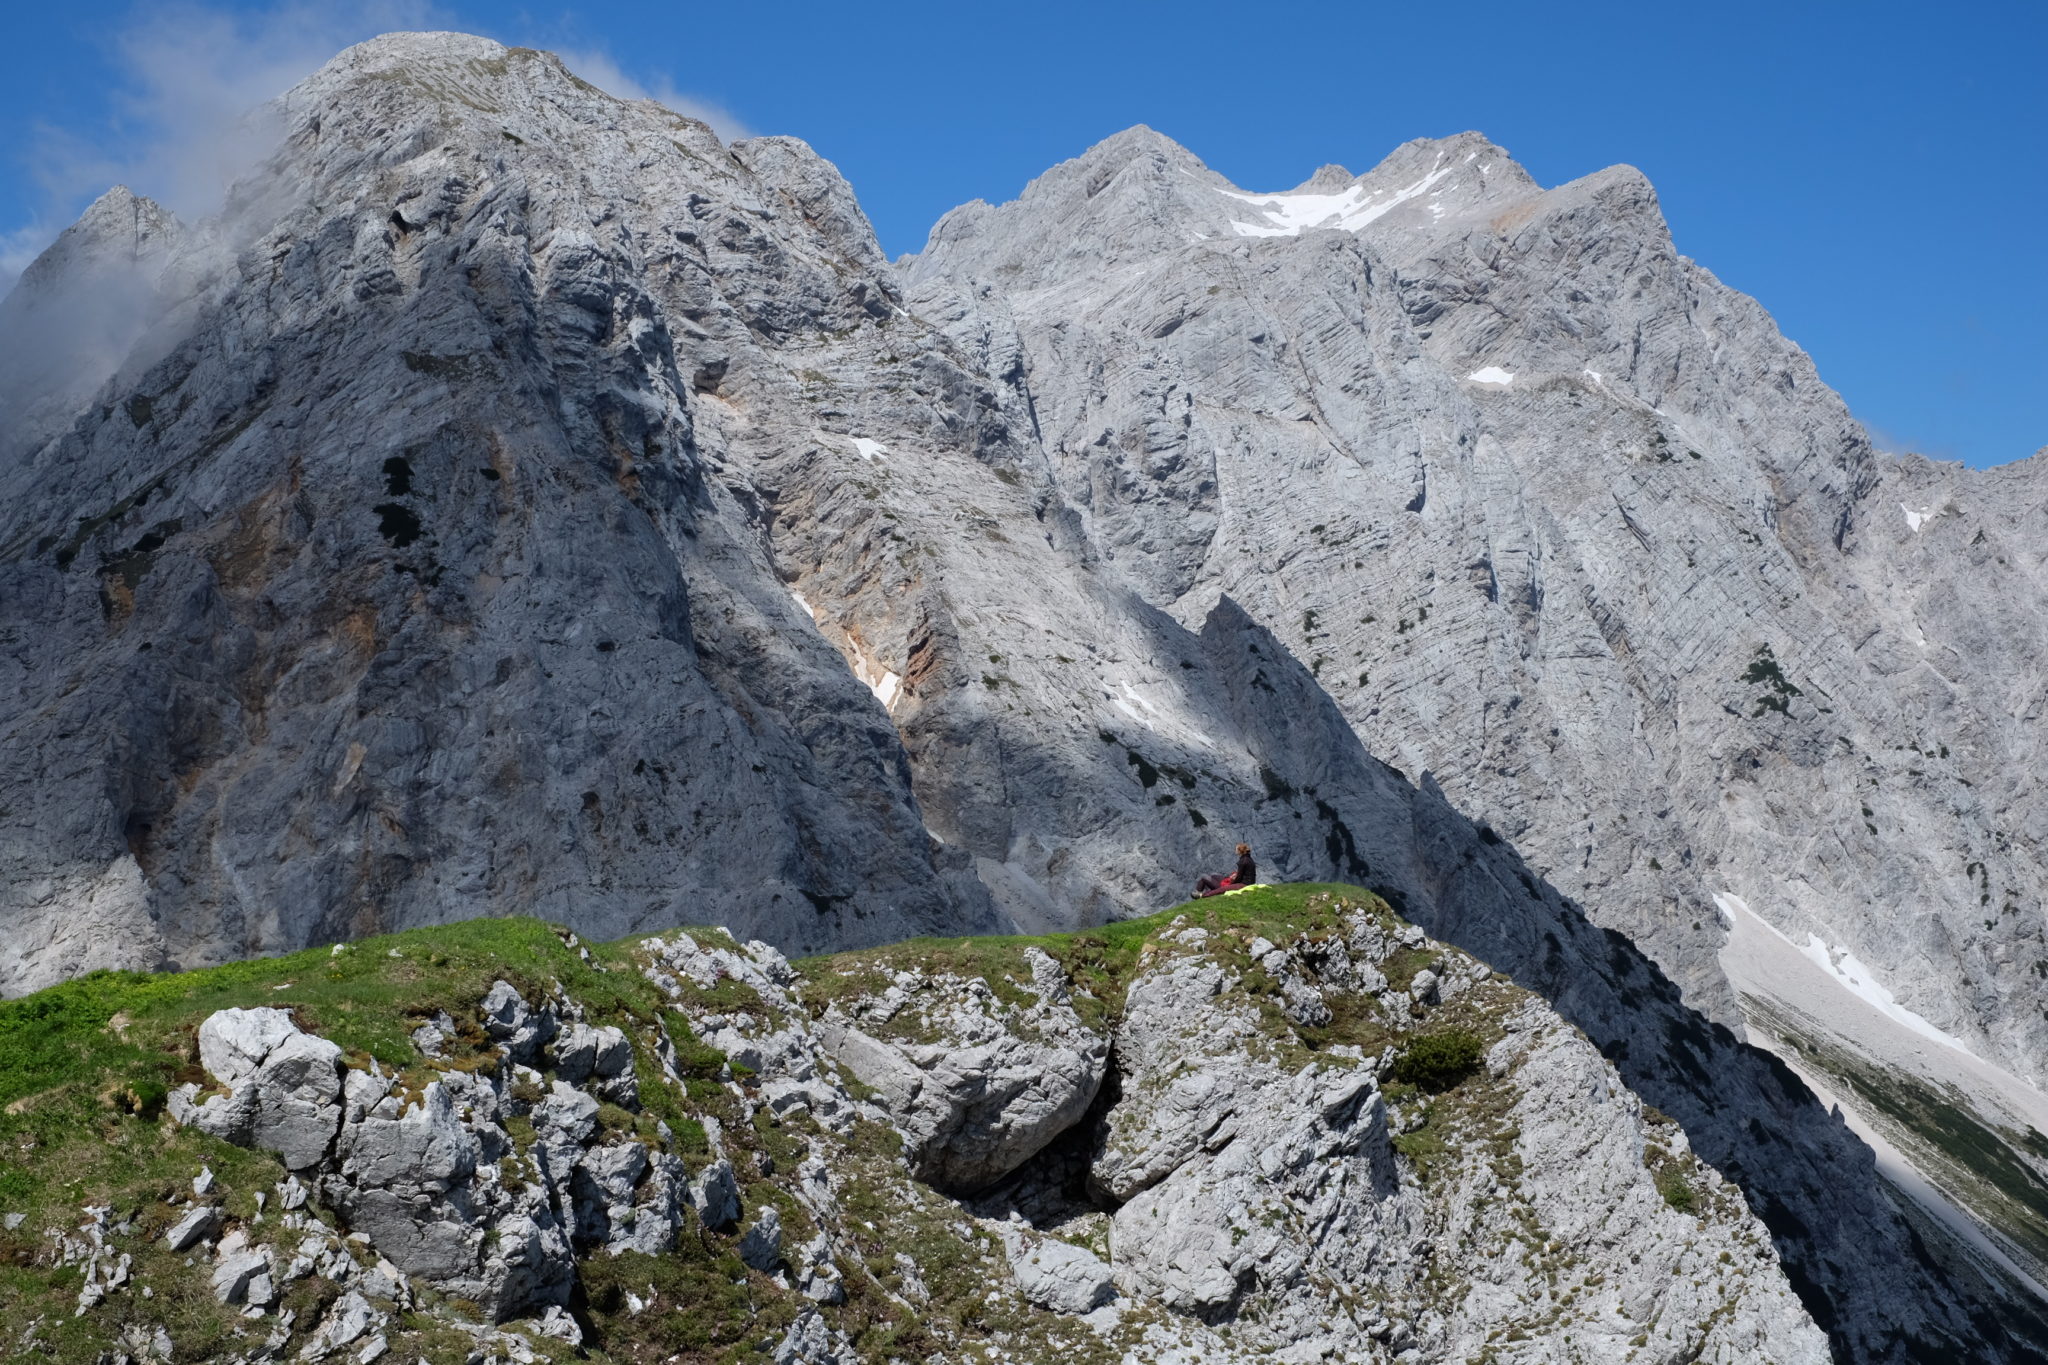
(871, 451)
(1493, 374)
(809, 610)
(885, 683)
(1155, 702)
(1846, 969)
(1136, 707)
(1289, 215)
(1917, 519)
(1766, 968)
(1595, 376)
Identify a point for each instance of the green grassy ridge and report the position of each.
(140, 1028)
(126, 1037)
(118, 1041)
(1101, 961)
(84, 1066)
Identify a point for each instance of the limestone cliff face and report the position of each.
(1557, 517)
(406, 586)
(518, 501)
(540, 506)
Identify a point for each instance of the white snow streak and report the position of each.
(1136, 707)
(1843, 965)
(1766, 967)
(809, 610)
(871, 451)
(1288, 215)
(883, 682)
(1494, 374)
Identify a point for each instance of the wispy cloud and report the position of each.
(598, 67)
(195, 73)
(180, 124)
(18, 248)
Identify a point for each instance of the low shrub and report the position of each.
(1439, 1060)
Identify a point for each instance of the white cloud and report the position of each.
(18, 248)
(194, 75)
(597, 66)
(181, 120)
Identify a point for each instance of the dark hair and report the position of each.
(1243, 849)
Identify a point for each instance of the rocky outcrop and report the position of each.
(1277, 1179)
(989, 1089)
(1285, 1123)
(433, 1180)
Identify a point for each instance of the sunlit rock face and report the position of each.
(1555, 516)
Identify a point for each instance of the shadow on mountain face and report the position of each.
(1862, 1272)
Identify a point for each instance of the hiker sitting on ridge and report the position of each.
(1247, 874)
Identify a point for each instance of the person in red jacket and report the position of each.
(1246, 874)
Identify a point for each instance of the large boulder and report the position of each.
(284, 1085)
(1061, 1276)
(1000, 1083)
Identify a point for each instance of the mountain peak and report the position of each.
(1469, 166)
(119, 222)
(1139, 194)
(1136, 140)
(1328, 179)
(1135, 194)
(1138, 150)
(457, 76)
(408, 49)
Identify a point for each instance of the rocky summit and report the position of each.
(518, 502)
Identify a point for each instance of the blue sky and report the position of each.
(1875, 173)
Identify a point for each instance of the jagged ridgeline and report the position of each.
(517, 501)
(1280, 1121)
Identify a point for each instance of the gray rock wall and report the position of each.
(1534, 496)
(405, 589)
